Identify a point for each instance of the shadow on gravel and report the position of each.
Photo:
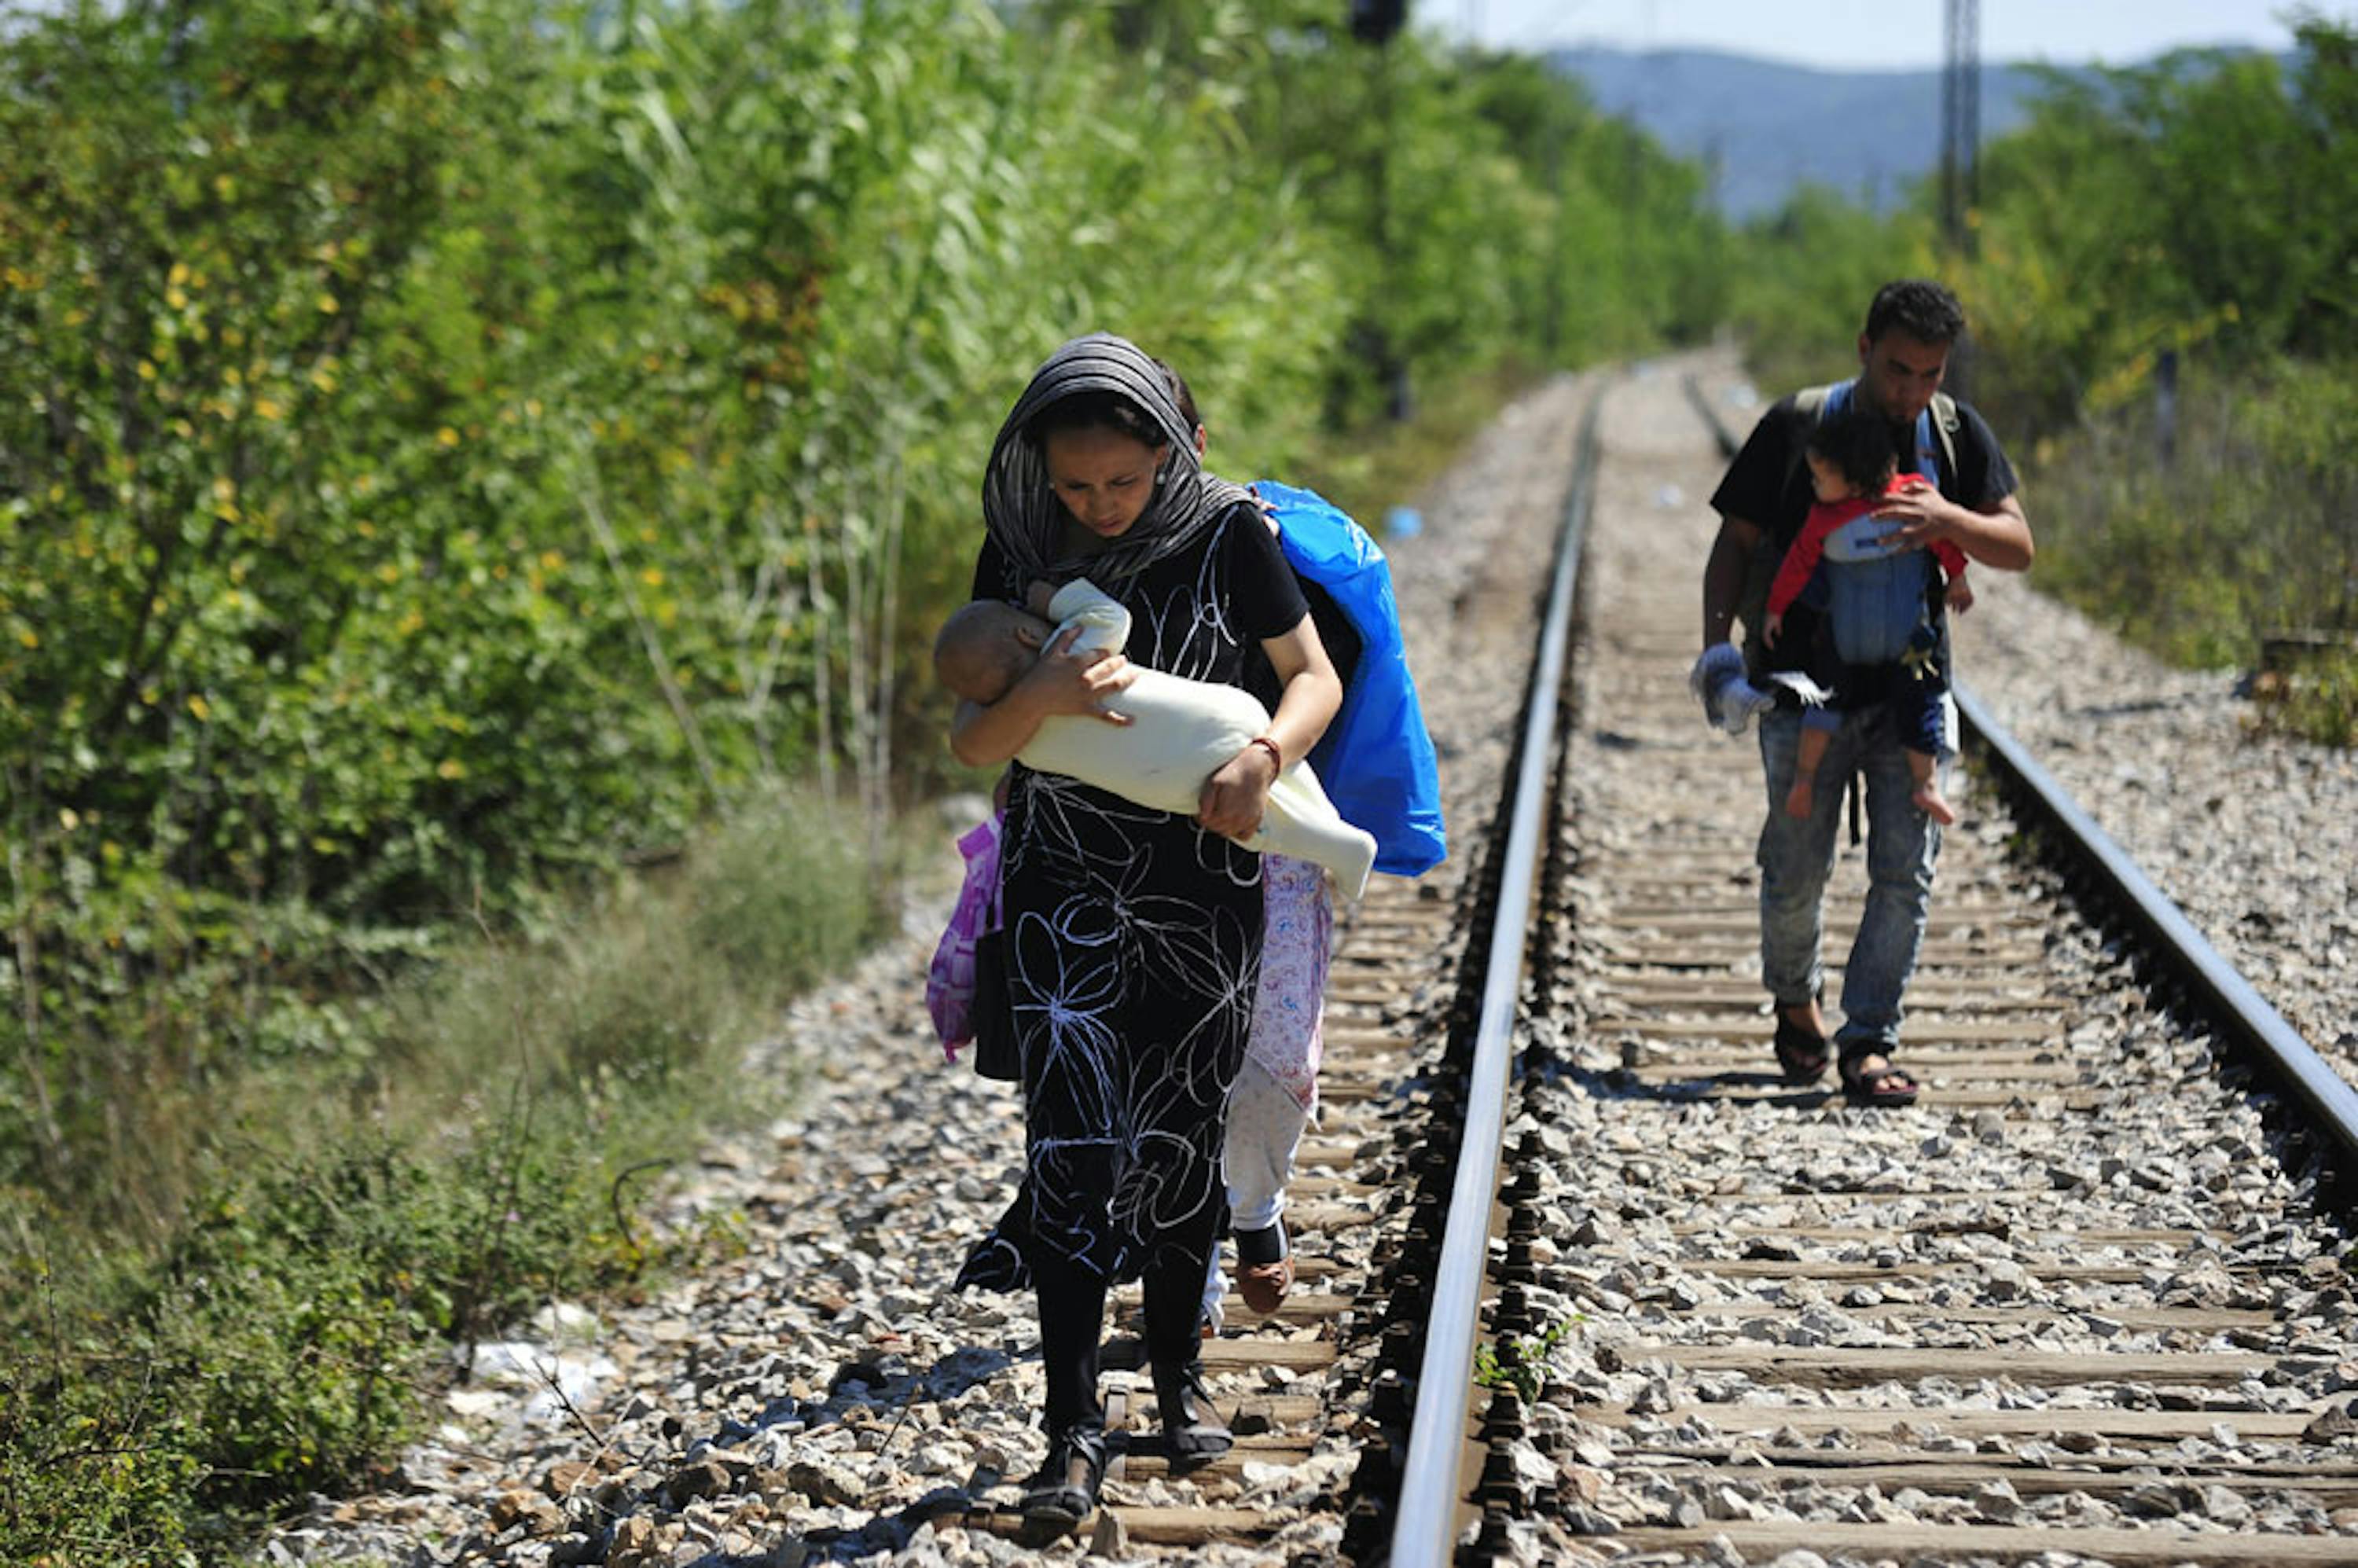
(888, 1532)
(881, 1384)
(1620, 1083)
(886, 1387)
(897, 1530)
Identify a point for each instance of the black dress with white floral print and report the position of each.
(1133, 952)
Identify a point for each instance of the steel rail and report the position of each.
(2221, 992)
(1424, 1518)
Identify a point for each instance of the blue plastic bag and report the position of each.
(1376, 760)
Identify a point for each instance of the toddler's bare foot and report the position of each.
(1934, 805)
(1798, 799)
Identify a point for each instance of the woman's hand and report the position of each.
(1064, 682)
(1768, 634)
(1060, 682)
(1235, 797)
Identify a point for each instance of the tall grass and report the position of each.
(2253, 528)
(655, 978)
(162, 1385)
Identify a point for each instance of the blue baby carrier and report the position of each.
(1375, 759)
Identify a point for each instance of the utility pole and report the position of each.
(1961, 148)
(1377, 23)
(1960, 124)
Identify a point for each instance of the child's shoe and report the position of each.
(1264, 1268)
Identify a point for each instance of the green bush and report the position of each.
(2323, 705)
(93, 1466)
(344, 1228)
(278, 1347)
(460, 449)
(2253, 528)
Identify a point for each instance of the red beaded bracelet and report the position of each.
(1276, 757)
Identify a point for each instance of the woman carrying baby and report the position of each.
(1134, 935)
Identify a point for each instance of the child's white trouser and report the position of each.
(1265, 1125)
(1269, 1104)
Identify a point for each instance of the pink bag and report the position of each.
(949, 978)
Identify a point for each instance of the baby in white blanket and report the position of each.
(1182, 730)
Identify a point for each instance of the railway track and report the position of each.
(2072, 1306)
(2085, 1302)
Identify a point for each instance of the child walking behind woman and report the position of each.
(1876, 601)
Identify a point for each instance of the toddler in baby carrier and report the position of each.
(1812, 677)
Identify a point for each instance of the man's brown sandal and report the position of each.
(1885, 1085)
(1801, 1051)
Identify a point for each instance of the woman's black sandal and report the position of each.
(1192, 1429)
(1066, 1489)
(1884, 1085)
(1801, 1051)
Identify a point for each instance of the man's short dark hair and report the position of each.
(1856, 443)
(1918, 307)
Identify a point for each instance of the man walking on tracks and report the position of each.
(1970, 503)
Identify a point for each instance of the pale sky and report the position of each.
(1857, 34)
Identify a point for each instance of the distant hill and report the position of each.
(1863, 134)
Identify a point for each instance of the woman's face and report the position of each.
(1104, 478)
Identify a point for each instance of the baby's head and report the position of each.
(985, 648)
(1850, 454)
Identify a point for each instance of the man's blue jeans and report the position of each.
(1797, 854)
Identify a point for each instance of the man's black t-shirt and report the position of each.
(1769, 485)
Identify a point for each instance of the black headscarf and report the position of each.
(1021, 509)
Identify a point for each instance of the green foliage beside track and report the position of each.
(331, 1236)
(2206, 205)
(2251, 529)
(459, 443)
(456, 451)
(2204, 208)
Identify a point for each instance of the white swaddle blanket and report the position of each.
(1180, 732)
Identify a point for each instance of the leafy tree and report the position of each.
(456, 445)
(2197, 204)
(465, 442)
